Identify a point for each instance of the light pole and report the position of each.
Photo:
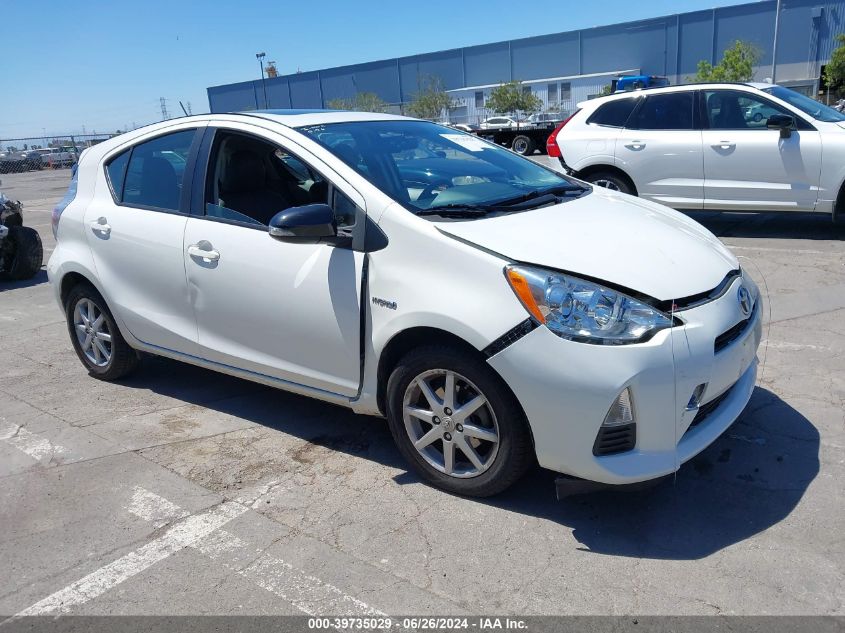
(260, 57)
(775, 43)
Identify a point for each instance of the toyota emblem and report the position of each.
(744, 298)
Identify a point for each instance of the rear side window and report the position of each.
(668, 111)
(156, 170)
(116, 171)
(613, 113)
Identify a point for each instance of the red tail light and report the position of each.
(552, 148)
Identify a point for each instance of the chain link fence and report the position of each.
(34, 153)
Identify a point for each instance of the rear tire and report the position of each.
(95, 336)
(523, 145)
(27, 253)
(610, 180)
(495, 430)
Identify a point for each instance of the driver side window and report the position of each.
(736, 110)
(250, 180)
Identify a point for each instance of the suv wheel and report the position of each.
(456, 423)
(610, 180)
(95, 337)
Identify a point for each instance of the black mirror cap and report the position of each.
(782, 122)
(308, 223)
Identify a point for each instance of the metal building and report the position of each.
(568, 67)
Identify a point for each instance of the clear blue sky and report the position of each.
(103, 64)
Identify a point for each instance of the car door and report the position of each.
(748, 166)
(135, 226)
(290, 311)
(660, 149)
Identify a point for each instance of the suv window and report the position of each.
(155, 171)
(613, 113)
(667, 111)
(737, 110)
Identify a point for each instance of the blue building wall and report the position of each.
(671, 45)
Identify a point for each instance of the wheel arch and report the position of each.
(839, 205)
(586, 172)
(403, 342)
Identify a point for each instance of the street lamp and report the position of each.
(260, 57)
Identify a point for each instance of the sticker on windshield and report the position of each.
(472, 143)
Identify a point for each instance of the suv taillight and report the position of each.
(552, 148)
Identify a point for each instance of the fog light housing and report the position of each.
(620, 411)
(695, 398)
(618, 431)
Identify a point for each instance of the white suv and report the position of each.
(492, 309)
(737, 147)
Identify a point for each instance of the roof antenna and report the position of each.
(183, 109)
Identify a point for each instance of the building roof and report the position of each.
(301, 118)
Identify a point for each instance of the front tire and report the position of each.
(610, 180)
(26, 255)
(456, 423)
(95, 336)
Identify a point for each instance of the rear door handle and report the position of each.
(723, 145)
(203, 250)
(635, 145)
(101, 227)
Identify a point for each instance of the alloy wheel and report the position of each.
(92, 332)
(451, 423)
(607, 184)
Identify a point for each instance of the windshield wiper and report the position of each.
(458, 210)
(531, 200)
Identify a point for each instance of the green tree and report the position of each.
(510, 97)
(607, 90)
(834, 72)
(430, 100)
(361, 102)
(737, 64)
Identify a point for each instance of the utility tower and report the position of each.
(164, 113)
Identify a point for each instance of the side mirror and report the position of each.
(782, 122)
(308, 223)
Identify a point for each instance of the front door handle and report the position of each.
(203, 250)
(101, 227)
(635, 145)
(723, 145)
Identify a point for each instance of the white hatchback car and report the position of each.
(490, 308)
(733, 147)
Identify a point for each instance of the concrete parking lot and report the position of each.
(182, 491)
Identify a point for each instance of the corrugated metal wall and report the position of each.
(671, 46)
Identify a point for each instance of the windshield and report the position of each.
(817, 110)
(432, 169)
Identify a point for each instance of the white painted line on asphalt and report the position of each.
(30, 443)
(202, 532)
(310, 595)
(795, 346)
(152, 507)
(781, 250)
(181, 535)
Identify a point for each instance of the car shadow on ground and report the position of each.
(39, 278)
(750, 479)
(798, 225)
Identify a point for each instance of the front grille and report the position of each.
(730, 335)
(615, 439)
(705, 410)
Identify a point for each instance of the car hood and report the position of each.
(611, 237)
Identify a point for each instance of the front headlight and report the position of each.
(584, 311)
